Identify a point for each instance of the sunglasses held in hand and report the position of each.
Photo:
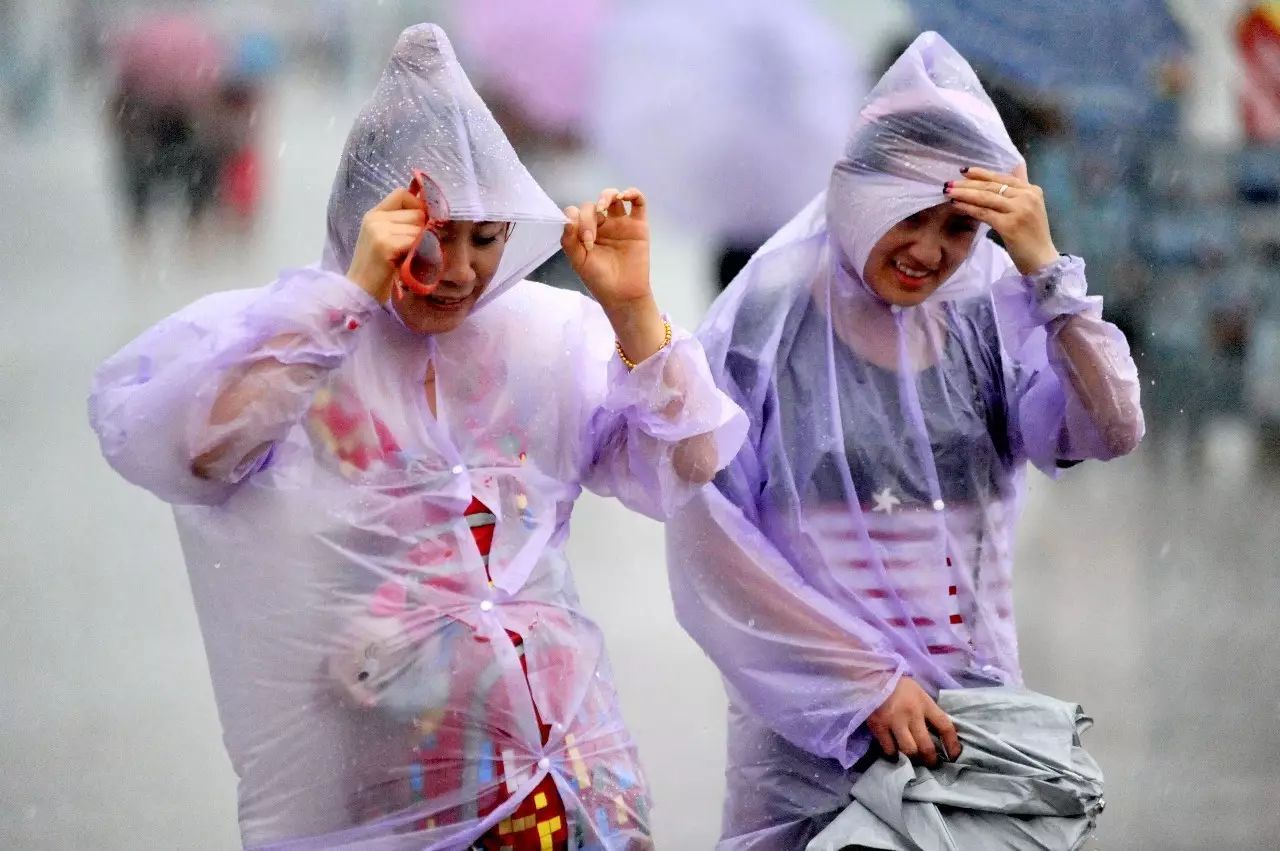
(422, 267)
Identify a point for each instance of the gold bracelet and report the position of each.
(627, 362)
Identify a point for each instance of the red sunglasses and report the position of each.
(424, 264)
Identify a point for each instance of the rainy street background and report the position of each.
(1147, 588)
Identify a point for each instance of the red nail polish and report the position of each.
(946, 188)
(964, 170)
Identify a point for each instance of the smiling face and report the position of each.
(472, 252)
(919, 254)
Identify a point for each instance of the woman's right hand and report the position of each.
(387, 233)
(902, 723)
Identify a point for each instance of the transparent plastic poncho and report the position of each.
(866, 529)
(361, 647)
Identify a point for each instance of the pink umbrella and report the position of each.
(538, 55)
(169, 58)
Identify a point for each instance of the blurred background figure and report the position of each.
(186, 112)
(168, 68)
(234, 126)
(728, 112)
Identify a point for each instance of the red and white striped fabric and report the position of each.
(905, 562)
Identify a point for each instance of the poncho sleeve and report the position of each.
(1075, 390)
(656, 432)
(810, 670)
(194, 405)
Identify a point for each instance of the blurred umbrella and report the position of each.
(537, 56)
(169, 58)
(1110, 53)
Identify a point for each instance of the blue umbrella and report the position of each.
(1102, 53)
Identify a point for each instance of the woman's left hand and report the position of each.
(1017, 213)
(608, 247)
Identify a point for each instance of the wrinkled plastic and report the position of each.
(1022, 780)
(369, 688)
(866, 529)
(423, 104)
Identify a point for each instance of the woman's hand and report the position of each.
(387, 233)
(1017, 214)
(608, 246)
(901, 725)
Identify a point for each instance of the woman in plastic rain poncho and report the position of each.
(898, 369)
(373, 490)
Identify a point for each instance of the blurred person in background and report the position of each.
(900, 370)
(168, 70)
(742, 102)
(373, 463)
(235, 124)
